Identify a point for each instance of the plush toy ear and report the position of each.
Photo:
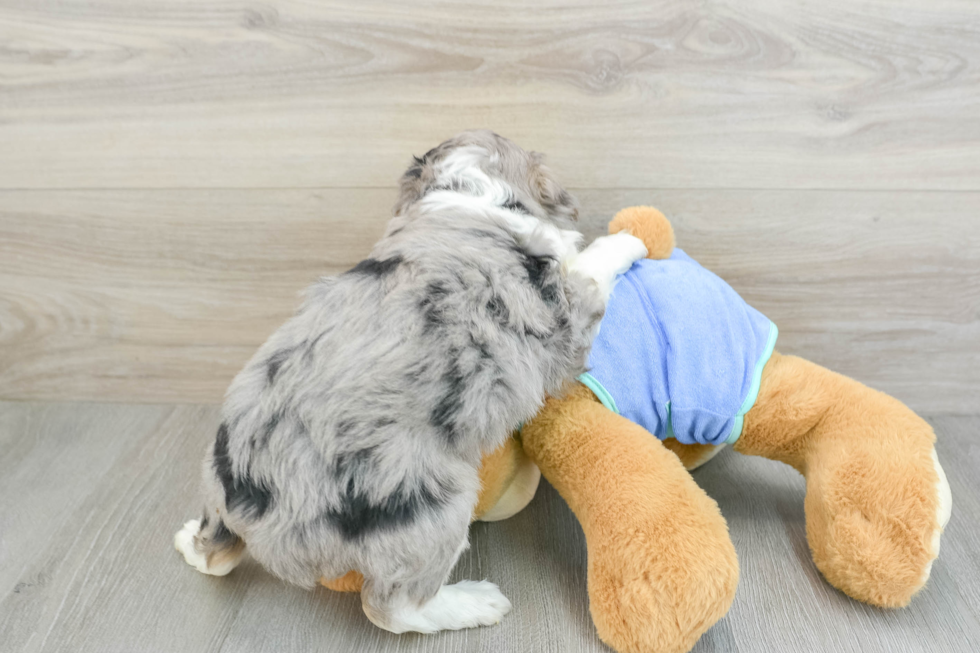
(649, 225)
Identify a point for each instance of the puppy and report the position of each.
(352, 439)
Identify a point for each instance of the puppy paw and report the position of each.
(184, 542)
(473, 603)
(466, 604)
(649, 225)
(608, 257)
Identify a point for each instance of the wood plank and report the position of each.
(92, 581)
(87, 564)
(880, 94)
(162, 296)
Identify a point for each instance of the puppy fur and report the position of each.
(352, 438)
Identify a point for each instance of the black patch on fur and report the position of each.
(514, 205)
(443, 415)
(537, 268)
(275, 363)
(415, 170)
(372, 267)
(551, 294)
(262, 440)
(240, 492)
(482, 347)
(222, 535)
(497, 309)
(358, 515)
(204, 521)
(431, 305)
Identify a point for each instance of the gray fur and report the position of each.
(353, 437)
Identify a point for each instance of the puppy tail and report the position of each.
(209, 546)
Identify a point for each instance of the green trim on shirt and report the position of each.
(754, 388)
(599, 391)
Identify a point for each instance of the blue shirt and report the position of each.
(679, 352)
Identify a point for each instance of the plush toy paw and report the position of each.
(875, 509)
(661, 583)
(662, 568)
(649, 225)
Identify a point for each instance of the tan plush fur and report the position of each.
(649, 225)
(661, 567)
(871, 498)
(349, 582)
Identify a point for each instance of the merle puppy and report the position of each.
(352, 439)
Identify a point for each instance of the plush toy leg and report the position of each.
(662, 568)
(877, 499)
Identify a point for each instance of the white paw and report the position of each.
(608, 257)
(184, 542)
(943, 512)
(467, 604)
(475, 603)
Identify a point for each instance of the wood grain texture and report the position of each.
(881, 94)
(162, 296)
(91, 494)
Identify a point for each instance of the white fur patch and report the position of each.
(608, 257)
(943, 513)
(467, 604)
(480, 192)
(184, 542)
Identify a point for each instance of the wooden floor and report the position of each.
(90, 495)
(174, 172)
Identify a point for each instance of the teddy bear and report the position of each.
(682, 367)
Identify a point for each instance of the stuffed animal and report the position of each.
(680, 368)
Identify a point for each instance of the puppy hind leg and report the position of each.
(424, 605)
(208, 546)
(467, 604)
